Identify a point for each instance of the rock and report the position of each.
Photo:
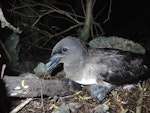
(117, 43)
(40, 69)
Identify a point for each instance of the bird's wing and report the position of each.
(122, 67)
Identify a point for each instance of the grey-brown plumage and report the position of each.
(103, 69)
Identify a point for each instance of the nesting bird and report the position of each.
(101, 68)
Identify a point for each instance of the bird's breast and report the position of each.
(86, 75)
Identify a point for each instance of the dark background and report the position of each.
(129, 19)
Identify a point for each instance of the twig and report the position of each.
(140, 100)
(3, 69)
(121, 108)
(64, 31)
(65, 4)
(42, 102)
(43, 5)
(46, 33)
(100, 27)
(69, 16)
(83, 8)
(55, 11)
(40, 16)
(109, 11)
(20, 106)
(51, 9)
(92, 31)
(57, 34)
(100, 12)
(5, 23)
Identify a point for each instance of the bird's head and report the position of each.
(68, 51)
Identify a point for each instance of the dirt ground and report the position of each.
(120, 100)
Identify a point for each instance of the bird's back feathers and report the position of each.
(122, 66)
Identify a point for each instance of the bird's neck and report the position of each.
(73, 72)
(76, 60)
(73, 69)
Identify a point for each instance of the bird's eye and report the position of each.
(64, 49)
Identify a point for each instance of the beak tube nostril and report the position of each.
(52, 63)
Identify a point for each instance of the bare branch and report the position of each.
(40, 16)
(64, 31)
(99, 26)
(5, 23)
(69, 16)
(141, 98)
(22, 105)
(99, 12)
(3, 69)
(83, 7)
(109, 12)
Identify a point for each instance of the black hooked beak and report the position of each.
(54, 61)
